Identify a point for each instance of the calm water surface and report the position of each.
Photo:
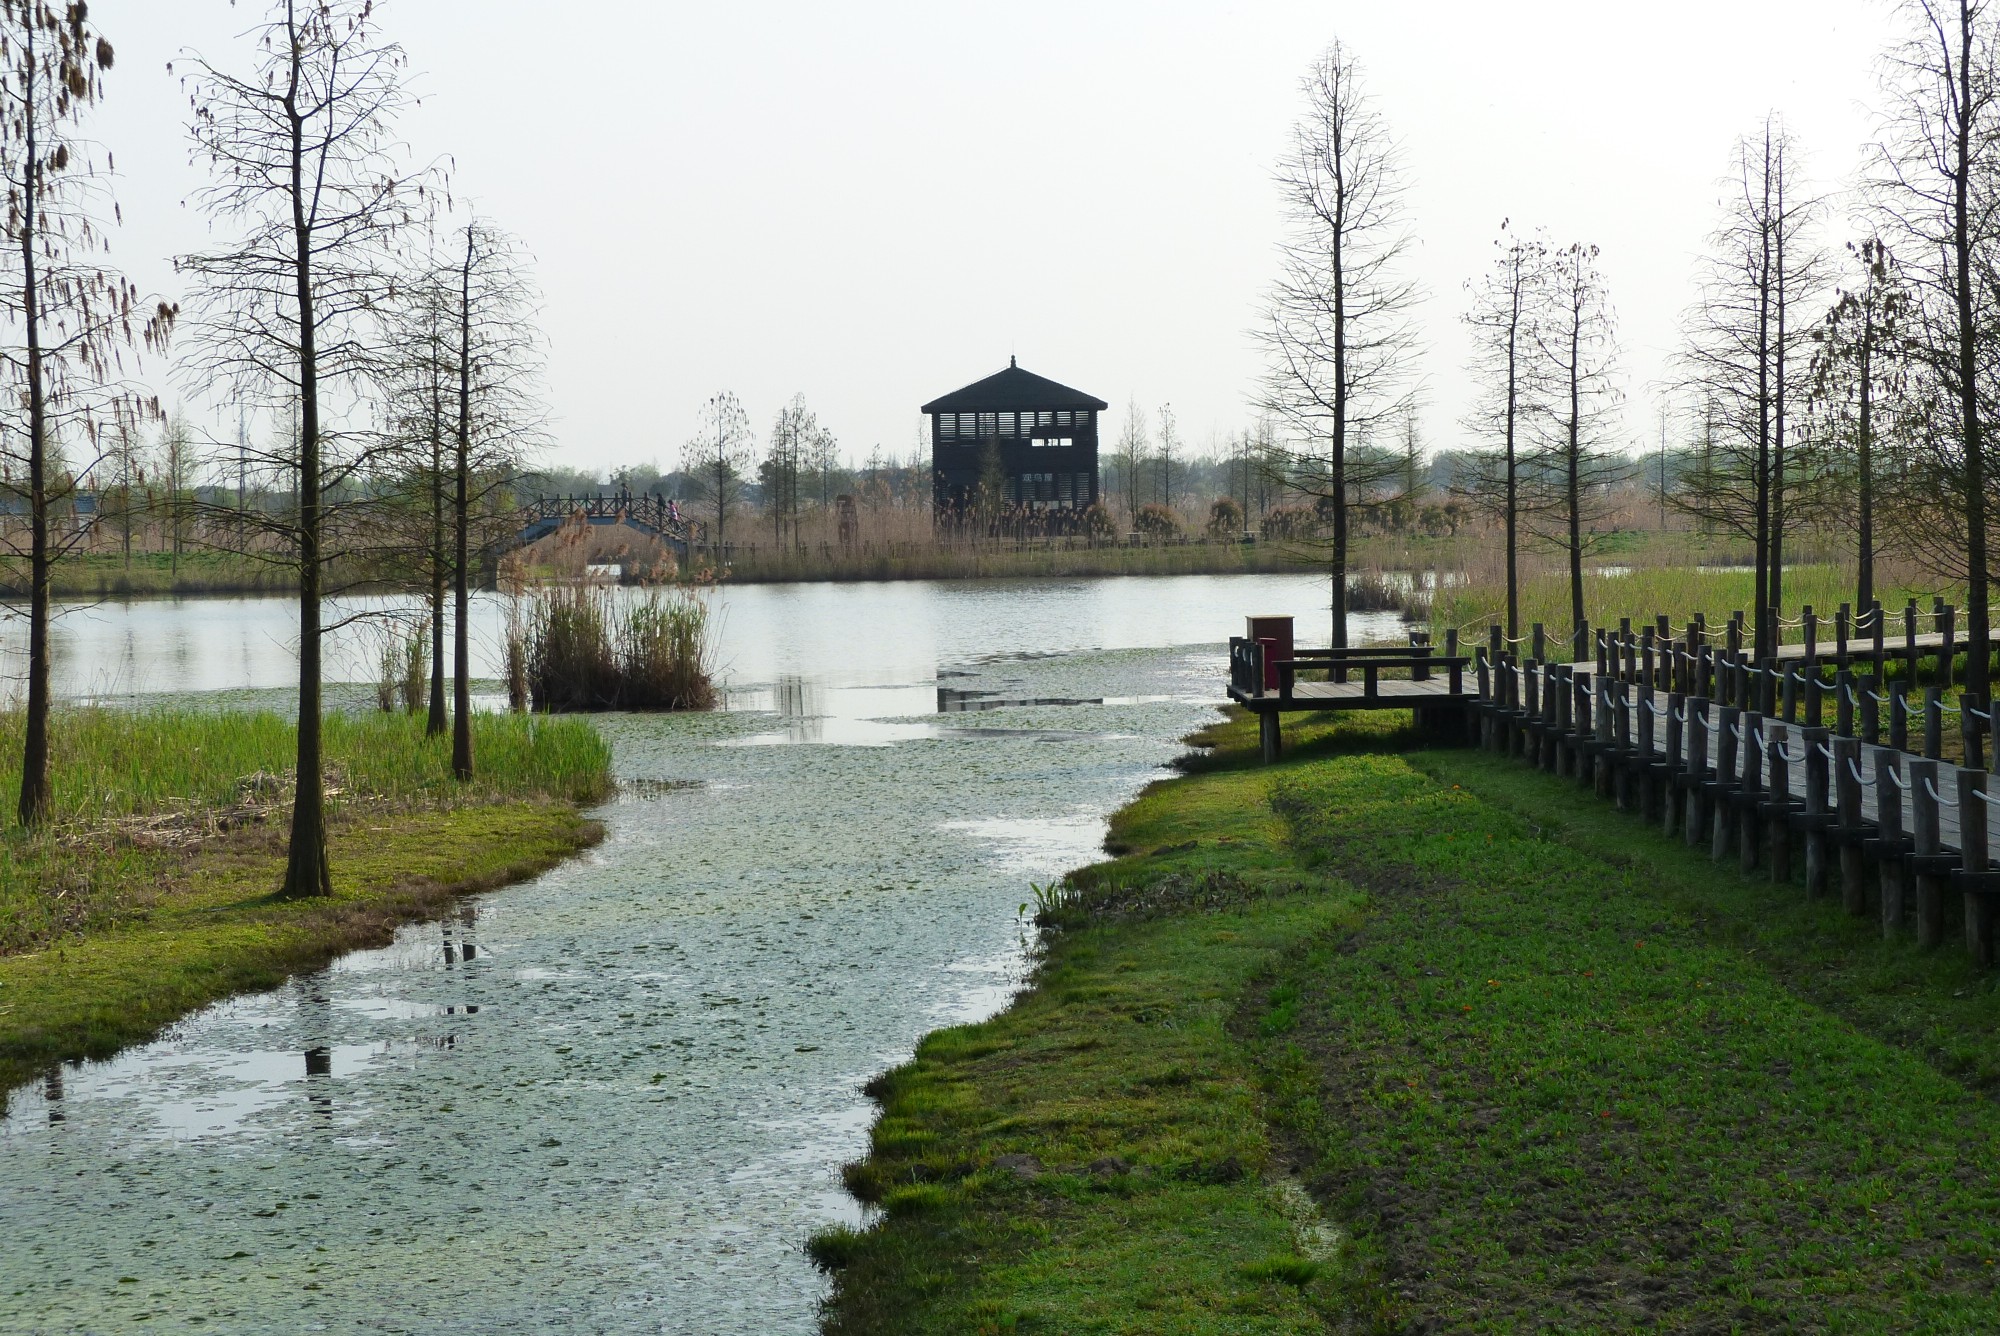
(615, 1098)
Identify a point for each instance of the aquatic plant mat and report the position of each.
(1378, 1040)
(153, 892)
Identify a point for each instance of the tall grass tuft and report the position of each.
(589, 648)
(403, 666)
(663, 652)
(416, 667)
(572, 662)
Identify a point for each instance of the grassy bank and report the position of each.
(1680, 591)
(109, 575)
(151, 893)
(1536, 1068)
(931, 561)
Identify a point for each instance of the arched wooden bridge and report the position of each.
(649, 515)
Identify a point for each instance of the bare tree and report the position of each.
(418, 398)
(68, 315)
(1938, 187)
(498, 420)
(1337, 334)
(123, 500)
(1743, 336)
(1858, 381)
(823, 457)
(719, 454)
(1579, 345)
(1169, 457)
(1508, 305)
(176, 477)
(792, 435)
(1128, 453)
(304, 161)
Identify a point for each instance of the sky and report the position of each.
(873, 203)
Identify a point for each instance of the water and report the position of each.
(615, 1098)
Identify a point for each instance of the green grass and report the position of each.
(213, 927)
(1678, 590)
(973, 562)
(125, 784)
(152, 891)
(1154, 1209)
(1539, 1068)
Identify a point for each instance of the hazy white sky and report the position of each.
(873, 203)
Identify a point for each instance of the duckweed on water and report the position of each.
(1538, 1067)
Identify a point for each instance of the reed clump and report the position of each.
(593, 647)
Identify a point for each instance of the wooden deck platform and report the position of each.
(1393, 694)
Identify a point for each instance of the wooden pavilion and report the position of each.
(1032, 440)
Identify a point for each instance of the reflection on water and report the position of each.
(615, 1098)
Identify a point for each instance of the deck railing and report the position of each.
(1811, 753)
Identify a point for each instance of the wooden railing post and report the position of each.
(1975, 888)
(1933, 723)
(1871, 710)
(1910, 639)
(1673, 796)
(1849, 831)
(1645, 727)
(1694, 819)
(1890, 842)
(1817, 816)
(1899, 715)
(1777, 741)
(1721, 814)
(1601, 736)
(1563, 748)
(1749, 821)
(1948, 623)
(1878, 637)
(1928, 861)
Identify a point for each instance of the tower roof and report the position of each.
(1009, 390)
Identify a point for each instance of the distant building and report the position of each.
(1032, 439)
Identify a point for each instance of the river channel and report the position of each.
(614, 1098)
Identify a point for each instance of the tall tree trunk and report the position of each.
(1977, 674)
(721, 496)
(436, 721)
(1513, 514)
(1337, 575)
(1760, 599)
(306, 868)
(1778, 486)
(1864, 444)
(1573, 482)
(461, 668)
(34, 797)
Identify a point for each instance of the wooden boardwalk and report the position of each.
(1812, 760)
(1808, 759)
